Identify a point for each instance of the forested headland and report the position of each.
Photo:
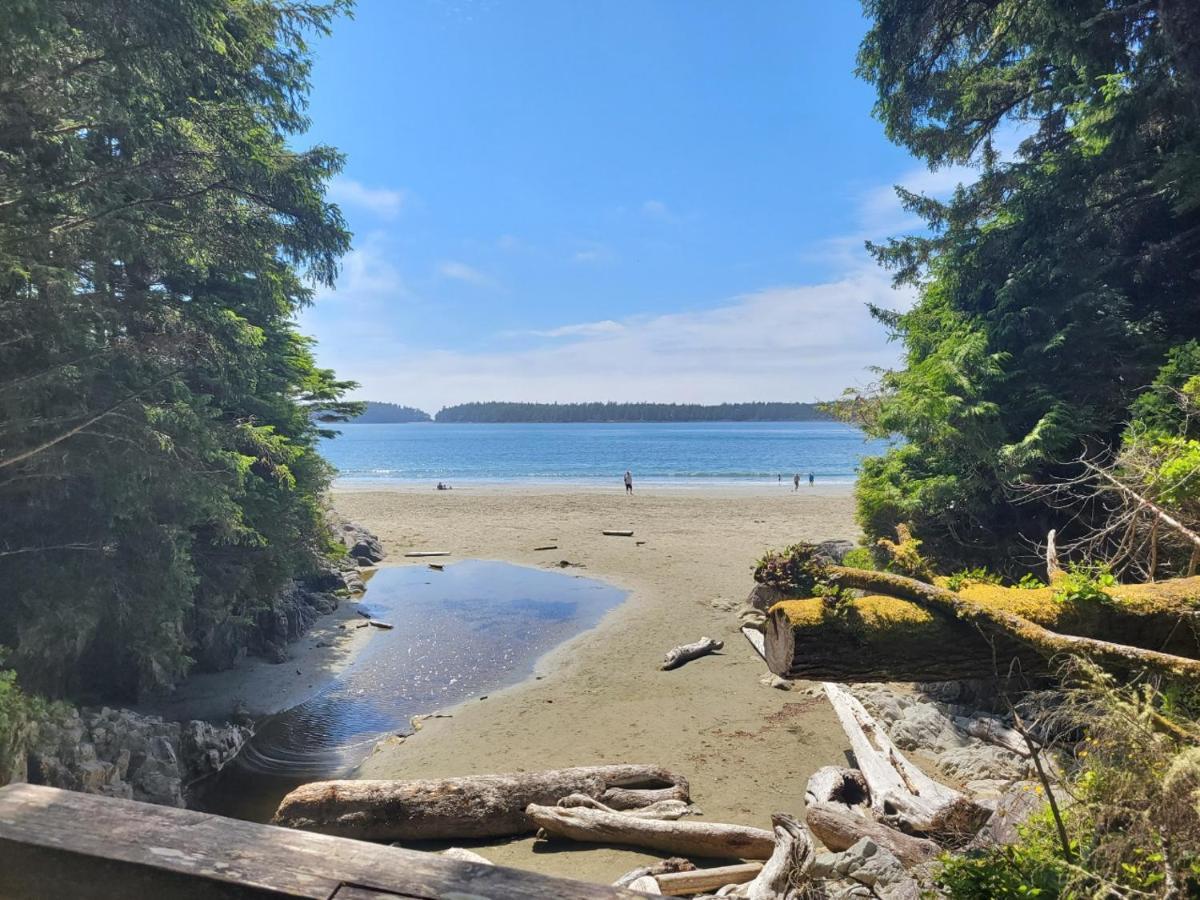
(159, 232)
(376, 413)
(631, 412)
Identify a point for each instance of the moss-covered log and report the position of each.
(1141, 627)
(878, 638)
(907, 630)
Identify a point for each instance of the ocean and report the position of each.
(679, 454)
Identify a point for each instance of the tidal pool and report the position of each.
(460, 633)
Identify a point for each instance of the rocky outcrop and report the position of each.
(120, 753)
(361, 545)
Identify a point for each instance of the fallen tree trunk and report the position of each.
(1142, 616)
(878, 638)
(667, 810)
(708, 839)
(467, 807)
(684, 653)
(839, 830)
(908, 630)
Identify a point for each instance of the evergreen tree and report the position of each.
(157, 237)
(1052, 289)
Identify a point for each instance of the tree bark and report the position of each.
(707, 839)
(875, 639)
(685, 653)
(699, 881)
(1000, 623)
(839, 830)
(467, 807)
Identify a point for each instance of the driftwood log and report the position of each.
(707, 839)
(462, 854)
(662, 867)
(685, 653)
(838, 813)
(909, 630)
(699, 881)
(667, 810)
(899, 793)
(467, 807)
(784, 874)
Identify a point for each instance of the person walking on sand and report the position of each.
(796, 482)
(628, 482)
(811, 479)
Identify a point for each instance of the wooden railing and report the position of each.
(56, 843)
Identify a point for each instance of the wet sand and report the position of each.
(747, 749)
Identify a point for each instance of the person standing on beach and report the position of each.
(628, 482)
(796, 482)
(811, 479)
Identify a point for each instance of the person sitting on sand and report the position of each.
(628, 482)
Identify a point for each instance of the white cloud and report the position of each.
(383, 202)
(797, 343)
(592, 253)
(587, 329)
(460, 271)
(656, 209)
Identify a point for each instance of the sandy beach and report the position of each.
(746, 748)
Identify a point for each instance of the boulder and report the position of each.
(834, 552)
(763, 596)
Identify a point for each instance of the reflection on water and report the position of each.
(473, 628)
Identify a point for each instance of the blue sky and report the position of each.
(556, 200)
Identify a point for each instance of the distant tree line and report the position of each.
(630, 412)
(375, 413)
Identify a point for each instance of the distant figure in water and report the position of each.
(811, 479)
(780, 479)
(443, 487)
(796, 482)
(628, 482)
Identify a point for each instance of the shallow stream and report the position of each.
(458, 634)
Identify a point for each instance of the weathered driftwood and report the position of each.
(685, 653)
(617, 533)
(1145, 616)
(647, 884)
(662, 867)
(697, 881)
(421, 554)
(462, 854)
(667, 810)
(787, 869)
(708, 839)
(899, 792)
(471, 806)
(386, 626)
(839, 831)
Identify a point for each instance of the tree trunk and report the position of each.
(699, 881)
(662, 867)
(1143, 616)
(708, 839)
(879, 638)
(468, 807)
(786, 871)
(839, 830)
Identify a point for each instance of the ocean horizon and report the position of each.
(679, 454)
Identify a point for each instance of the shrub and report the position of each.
(859, 558)
(1082, 583)
(795, 570)
(964, 577)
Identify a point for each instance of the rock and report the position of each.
(834, 552)
(866, 870)
(120, 753)
(979, 761)
(922, 726)
(360, 544)
(1013, 808)
(762, 597)
(771, 680)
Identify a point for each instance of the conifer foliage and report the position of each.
(158, 234)
(1053, 288)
